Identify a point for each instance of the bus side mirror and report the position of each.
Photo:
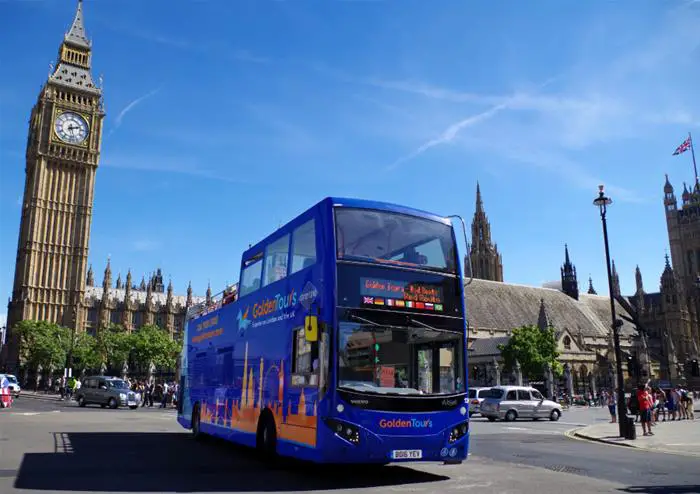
(311, 328)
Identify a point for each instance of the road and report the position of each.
(50, 446)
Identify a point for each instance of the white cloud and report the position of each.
(181, 165)
(605, 96)
(131, 106)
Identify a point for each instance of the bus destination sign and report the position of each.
(401, 294)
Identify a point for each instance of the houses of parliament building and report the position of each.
(53, 282)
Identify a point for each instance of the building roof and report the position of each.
(94, 293)
(76, 35)
(485, 347)
(506, 306)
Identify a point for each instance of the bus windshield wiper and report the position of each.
(429, 327)
(367, 321)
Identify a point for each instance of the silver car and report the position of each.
(518, 402)
(476, 396)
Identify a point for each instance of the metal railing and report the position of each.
(216, 301)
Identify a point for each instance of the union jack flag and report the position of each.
(683, 147)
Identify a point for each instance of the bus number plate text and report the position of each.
(407, 454)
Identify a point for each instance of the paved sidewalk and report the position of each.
(678, 437)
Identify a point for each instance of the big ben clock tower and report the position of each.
(63, 151)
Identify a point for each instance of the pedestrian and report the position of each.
(645, 404)
(612, 402)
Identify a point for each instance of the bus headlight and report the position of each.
(457, 432)
(344, 430)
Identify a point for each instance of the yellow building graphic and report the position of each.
(293, 424)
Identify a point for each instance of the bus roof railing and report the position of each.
(218, 300)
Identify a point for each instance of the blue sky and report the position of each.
(226, 119)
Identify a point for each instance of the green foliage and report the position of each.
(153, 344)
(532, 347)
(43, 343)
(113, 346)
(85, 352)
(48, 344)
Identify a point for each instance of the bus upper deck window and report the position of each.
(303, 247)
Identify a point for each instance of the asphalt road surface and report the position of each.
(49, 446)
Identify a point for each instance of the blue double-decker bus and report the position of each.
(343, 342)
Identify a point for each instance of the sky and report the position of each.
(227, 119)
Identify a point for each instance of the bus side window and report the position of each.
(303, 246)
(305, 361)
(250, 278)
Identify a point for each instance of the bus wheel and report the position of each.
(267, 437)
(196, 432)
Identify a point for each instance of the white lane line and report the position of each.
(518, 428)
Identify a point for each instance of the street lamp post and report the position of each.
(602, 202)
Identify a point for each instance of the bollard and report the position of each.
(630, 428)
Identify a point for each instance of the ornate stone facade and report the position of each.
(133, 306)
(63, 152)
(486, 262)
(671, 315)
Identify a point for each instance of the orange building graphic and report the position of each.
(293, 424)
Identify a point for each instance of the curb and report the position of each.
(576, 434)
(39, 397)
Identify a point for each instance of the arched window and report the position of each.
(567, 343)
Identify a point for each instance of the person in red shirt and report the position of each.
(645, 404)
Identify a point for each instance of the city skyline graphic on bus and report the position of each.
(296, 422)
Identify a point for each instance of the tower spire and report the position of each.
(591, 290)
(569, 281)
(479, 202)
(615, 281)
(76, 35)
(486, 261)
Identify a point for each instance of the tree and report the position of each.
(152, 344)
(532, 347)
(85, 352)
(43, 343)
(113, 346)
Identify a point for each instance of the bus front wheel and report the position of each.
(267, 436)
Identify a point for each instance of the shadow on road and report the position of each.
(148, 462)
(662, 489)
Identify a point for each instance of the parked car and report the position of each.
(476, 396)
(111, 392)
(518, 402)
(14, 386)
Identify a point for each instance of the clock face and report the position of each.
(71, 128)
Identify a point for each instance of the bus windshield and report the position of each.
(400, 360)
(396, 239)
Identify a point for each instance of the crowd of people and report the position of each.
(651, 405)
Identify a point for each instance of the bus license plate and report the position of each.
(407, 454)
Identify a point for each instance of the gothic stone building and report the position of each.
(582, 321)
(62, 156)
(672, 314)
(133, 306)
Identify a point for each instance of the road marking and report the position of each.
(518, 428)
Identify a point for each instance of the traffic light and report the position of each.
(695, 368)
(376, 353)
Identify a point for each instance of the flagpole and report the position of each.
(692, 152)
